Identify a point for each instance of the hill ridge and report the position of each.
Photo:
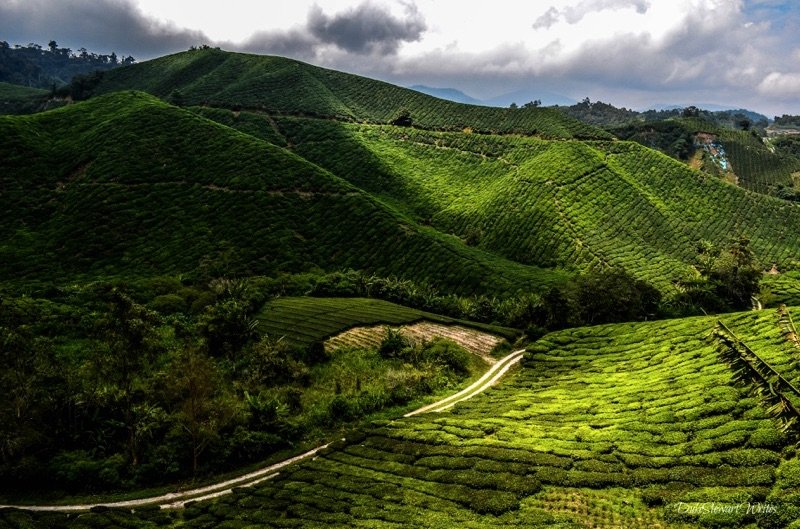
(279, 85)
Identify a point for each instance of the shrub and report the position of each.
(448, 353)
(168, 304)
(766, 438)
(492, 502)
(393, 344)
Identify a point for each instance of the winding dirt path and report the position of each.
(177, 500)
(487, 380)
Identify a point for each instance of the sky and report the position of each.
(631, 53)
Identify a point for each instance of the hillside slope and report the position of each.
(631, 425)
(735, 155)
(545, 202)
(278, 85)
(611, 426)
(128, 185)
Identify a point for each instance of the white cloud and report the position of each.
(779, 84)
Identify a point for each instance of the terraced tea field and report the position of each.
(284, 86)
(303, 320)
(630, 425)
(585, 204)
(114, 186)
(472, 340)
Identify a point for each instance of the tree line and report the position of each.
(52, 66)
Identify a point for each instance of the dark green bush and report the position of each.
(394, 344)
(450, 354)
(492, 502)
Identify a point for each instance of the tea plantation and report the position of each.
(118, 185)
(284, 86)
(554, 203)
(175, 249)
(303, 320)
(628, 425)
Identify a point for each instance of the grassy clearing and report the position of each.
(472, 340)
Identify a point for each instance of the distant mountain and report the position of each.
(450, 94)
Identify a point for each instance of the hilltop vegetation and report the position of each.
(282, 86)
(739, 156)
(608, 116)
(51, 67)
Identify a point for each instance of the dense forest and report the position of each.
(608, 116)
(51, 67)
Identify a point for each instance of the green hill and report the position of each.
(126, 185)
(543, 202)
(735, 155)
(16, 99)
(278, 85)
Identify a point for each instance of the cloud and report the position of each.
(576, 13)
(548, 19)
(99, 25)
(296, 43)
(778, 84)
(366, 28)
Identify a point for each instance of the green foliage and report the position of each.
(730, 279)
(15, 99)
(115, 186)
(106, 394)
(393, 344)
(51, 67)
(284, 86)
(612, 296)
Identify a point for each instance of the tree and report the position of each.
(131, 338)
(612, 296)
(202, 409)
(229, 325)
(744, 124)
(728, 279)
(403, 118)
(691, 112)
(736, 275)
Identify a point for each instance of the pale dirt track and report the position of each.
(177, 500)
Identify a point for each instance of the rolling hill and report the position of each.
(736, 155)
(126, 185)
(278, 85)
(183, 172)
(548, 203)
